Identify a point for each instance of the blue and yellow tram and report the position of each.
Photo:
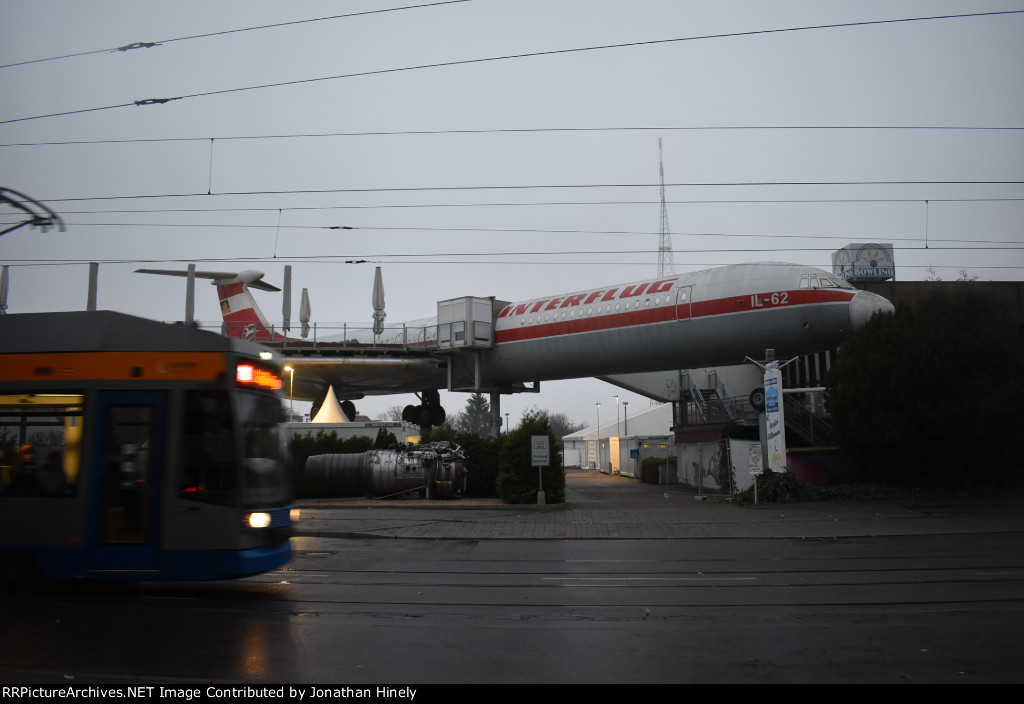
(133, 449)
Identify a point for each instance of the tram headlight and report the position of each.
(258, 519)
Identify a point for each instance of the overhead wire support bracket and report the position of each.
(155, 101)
(136, 45)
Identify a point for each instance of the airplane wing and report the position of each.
(357, 376)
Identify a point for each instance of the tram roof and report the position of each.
(108, 331)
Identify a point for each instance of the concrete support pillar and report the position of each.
(495, 414)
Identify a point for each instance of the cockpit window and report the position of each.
(823, 281)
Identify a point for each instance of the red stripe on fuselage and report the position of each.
(668, 313)
(604, 294)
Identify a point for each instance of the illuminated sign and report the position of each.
(864, 262)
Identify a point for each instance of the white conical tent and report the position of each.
(330, 410)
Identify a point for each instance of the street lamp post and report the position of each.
(597, 445)
(625, 416)
(617, 433)
(506, 424)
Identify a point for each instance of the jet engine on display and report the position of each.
(435, 470)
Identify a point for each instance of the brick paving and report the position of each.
(603, 507)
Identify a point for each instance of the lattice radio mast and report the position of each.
(666, 265)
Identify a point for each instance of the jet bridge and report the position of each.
(467, 323)
(465, 328)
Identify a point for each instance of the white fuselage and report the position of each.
(712, 317)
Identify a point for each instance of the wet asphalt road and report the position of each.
(623, 584)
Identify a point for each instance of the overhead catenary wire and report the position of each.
(386, 206)
(524, 130)
(511, 57)
(551, 186)
(334, 260)
(462, 256)
(206, 35)
(546, 231)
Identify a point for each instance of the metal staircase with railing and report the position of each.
(713, 405)
(809, 426)
(709, 404)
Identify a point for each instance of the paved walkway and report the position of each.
(603, 507)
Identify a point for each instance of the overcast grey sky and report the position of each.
(513, 177)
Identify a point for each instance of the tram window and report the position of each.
(208, 471)
(40, 444)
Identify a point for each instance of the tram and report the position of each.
(132, 449)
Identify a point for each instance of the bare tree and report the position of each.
(393, 413)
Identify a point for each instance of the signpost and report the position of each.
(540, 457)
(775, 424)
(774, 421)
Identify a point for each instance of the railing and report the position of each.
(712, 406)
(361, 336)
(814, 429)
(349, 336)
(729, 405)
(697, 396)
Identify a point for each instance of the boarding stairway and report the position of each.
(713, 406)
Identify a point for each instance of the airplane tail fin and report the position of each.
(242, 317)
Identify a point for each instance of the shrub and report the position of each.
(777, 487)
(650, 469)
(517, 480)
(481, 459)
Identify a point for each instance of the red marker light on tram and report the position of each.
(249, 374)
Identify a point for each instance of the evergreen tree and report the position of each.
(517, 479)
(929, 396)
(385, 439)
(476, 418)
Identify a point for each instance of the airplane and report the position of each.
(718, 316)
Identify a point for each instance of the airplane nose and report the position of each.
(865, 304)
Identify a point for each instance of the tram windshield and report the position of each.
(265, 479)
(211, 471)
